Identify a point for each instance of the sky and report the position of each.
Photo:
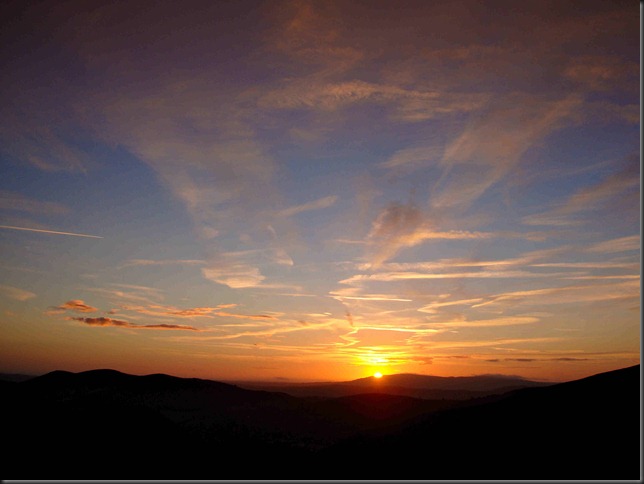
(319, 190)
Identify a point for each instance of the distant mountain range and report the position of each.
(404, 384)
(105, 424)
(15, 377)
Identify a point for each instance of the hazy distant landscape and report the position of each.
(159, 426)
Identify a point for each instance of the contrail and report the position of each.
(49, 231)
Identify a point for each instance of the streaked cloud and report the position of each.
(494, 143)
(236, 275)
(393, 229)
(16, 293)
(409, 275)
(414, 157)
(103, 321)
(486, 323)
(589, 198)
(163, 262)
(16, 201)
(314, 205)
(566, 295)
(621, 244)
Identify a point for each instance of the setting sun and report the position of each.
(377, 375)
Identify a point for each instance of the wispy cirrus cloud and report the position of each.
(161, 262)
(494, 143)
(161, 311)
(305, 207)
(394, 228)
(525, 259)
(119, 293)
(414, 157)
(487, 323)
(624, 290)
(410, 275)
(620, 244)
(16, 293)
(233, 274)
(399, 226)
(589, 198)
(17, 201)
(571, 294)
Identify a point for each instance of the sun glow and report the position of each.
(377, 375)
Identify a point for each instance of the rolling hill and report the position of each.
(107, 424)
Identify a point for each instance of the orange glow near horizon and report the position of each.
(377, 375)
(321, 203)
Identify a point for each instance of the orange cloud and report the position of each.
(16, 293)
(245, 316)
(77, 305)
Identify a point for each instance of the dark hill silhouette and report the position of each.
(15, 377)
(585, 429)
(111, 425)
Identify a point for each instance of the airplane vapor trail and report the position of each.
(49, 231)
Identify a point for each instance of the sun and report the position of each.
(377, 375)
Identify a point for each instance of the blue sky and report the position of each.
(320, 190)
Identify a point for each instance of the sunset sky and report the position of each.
(319, 190)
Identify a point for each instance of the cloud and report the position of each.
(601, 72)
(494, 143)
(190, 312)
(77, 305)
(129, 292)
(589, 198)
(393, 229)
(260, 317)
(530, 360)
(621, 244)
(566, 295)
(235, 275)
(591, 265)
(486, 323)
(241, 269)
(498, 342)
(352, 294)
(543, 297)
(162, 262)
(314, 205)
(19, 202)
(449, 264)
(32, 132)
(160, 311)
(16, 293)
(400, 226)
(103, 321)
(349, 318)
(409, 275)
(413, 157)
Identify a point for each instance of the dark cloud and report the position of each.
(349, 318)
(570, 359)
(102, 321)
(393, 229)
